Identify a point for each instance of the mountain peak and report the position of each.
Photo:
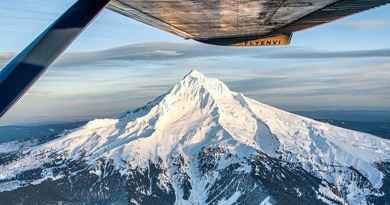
(194, 74)
(194, 92)
(197, 84)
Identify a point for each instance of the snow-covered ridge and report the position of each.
(200, 111)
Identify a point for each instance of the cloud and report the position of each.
(165, 52)
(173, 51)
(162, 51)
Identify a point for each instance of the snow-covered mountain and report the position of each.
(201, 143)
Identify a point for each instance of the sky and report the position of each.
(118, 64)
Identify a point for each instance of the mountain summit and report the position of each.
(201, 143)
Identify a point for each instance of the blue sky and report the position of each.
(341, 65)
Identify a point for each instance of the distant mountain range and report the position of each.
(199, 143)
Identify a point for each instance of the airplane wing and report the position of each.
(239, 22)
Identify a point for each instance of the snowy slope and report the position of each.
(201, 112)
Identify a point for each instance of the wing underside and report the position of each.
(239, 22)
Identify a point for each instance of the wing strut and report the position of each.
(23, 70)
